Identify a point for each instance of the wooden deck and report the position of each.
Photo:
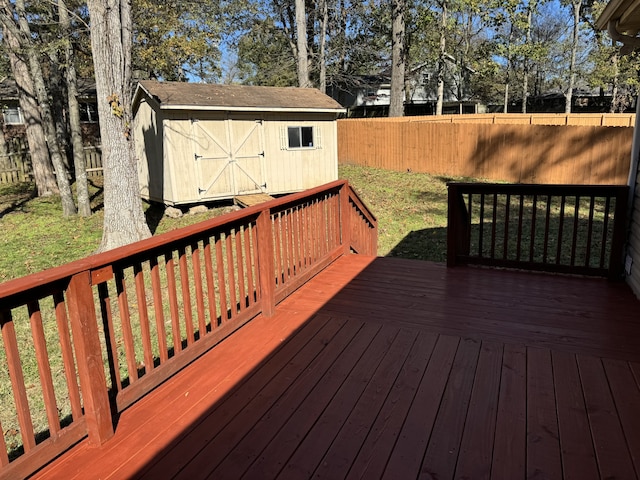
(390, 368)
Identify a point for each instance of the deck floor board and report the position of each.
(390, 368)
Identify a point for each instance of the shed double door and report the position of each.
(229, 156)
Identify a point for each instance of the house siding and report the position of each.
(633, 241)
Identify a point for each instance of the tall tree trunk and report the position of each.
(323, 46)
(42, 169)
(576, 4)
(342, 36)
(24, 34)
(80, 169)
(301, 44)
(111, 30)
(441, 57)
(508, 73)
(506, 98)
(57, 90)
(616, 76)
(4, 151)
(525, 80)
(396, 99)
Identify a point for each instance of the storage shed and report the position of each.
(202, 142)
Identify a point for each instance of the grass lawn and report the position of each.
(411, 209)
(35, 236)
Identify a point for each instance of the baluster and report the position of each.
(17, 380)
(197, 279)
(44, 367)
(143, 315)
(186, 294)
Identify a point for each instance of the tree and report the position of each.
(398, 58)
(15, 22)
(323, 45)
(177, 40)
(264, 56)
(111, 38)
(80, 170)
(42, 169)
(531, 8)
(35, 68)
(442, 54)
(575, 7)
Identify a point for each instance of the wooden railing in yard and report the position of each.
(83, 341)
(572, 229)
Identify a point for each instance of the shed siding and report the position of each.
(189, 159)
(180, 157)
(149, 146)
(289, 170)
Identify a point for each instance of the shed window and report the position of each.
(88, 112)
(300, 137)
(12, 115)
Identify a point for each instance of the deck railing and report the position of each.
(82, 341)
(573, 229)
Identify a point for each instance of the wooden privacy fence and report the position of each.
(82, 341)
(505, 152)
(16, 167)
(586, 119)
(575, 229)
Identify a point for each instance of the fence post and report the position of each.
(266, 268)
(345, 218)
(93, 384)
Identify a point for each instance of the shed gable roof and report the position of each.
(200, 96)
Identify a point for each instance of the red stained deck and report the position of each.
(389, 368)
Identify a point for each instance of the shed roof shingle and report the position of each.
(200, 95)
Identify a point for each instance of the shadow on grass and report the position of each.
(427, 244)
(96, 199)
(14, 196)
(154, 215)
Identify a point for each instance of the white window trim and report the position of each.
(284, 137)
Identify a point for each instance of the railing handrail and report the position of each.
(224, 271)
(97, 261)
(536, 188)
(362, 206)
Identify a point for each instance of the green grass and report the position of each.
(411, 209)
(35, 236)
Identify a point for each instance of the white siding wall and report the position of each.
(634, 242)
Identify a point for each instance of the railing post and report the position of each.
(82, 315)
(457, 228)
(345, 218)
(452, 224)
(266, 269)
(616, 261)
